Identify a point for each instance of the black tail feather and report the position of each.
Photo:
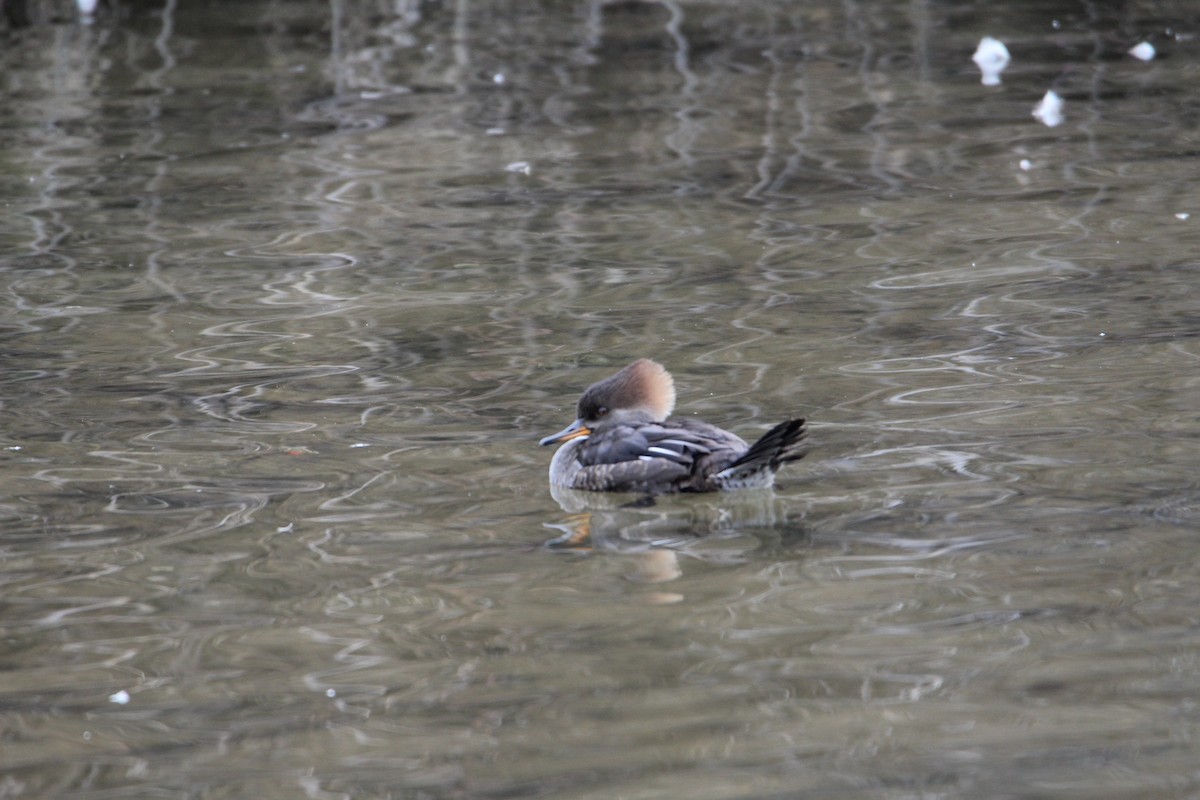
(775, 447)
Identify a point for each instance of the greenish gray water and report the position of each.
(293, 289)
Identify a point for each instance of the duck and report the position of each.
(624, 439)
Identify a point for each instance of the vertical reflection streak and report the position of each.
(682, 139)
(152, 201)
(771, 109)
(336, 55)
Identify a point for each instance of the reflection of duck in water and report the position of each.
(622, 441)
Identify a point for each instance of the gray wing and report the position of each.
(675, 456)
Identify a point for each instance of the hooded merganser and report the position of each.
(622, 441)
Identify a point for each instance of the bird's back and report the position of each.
(677, 455)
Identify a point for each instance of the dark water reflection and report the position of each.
(294, 289)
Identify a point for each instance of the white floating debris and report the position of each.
(1182, 215)
(87, 7)
(991, 57)
(120, 698)
(499, 79)
(1049, 112)
(523, 167)
(1025, 164)
(1143, 52)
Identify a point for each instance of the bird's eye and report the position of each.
(602, 411)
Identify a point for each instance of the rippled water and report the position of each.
(293, 289)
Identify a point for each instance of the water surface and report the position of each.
(292, 291)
